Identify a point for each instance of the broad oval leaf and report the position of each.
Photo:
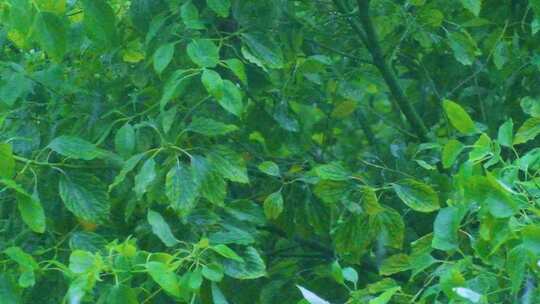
(417, 195)
(181, 189)
(203, 52)
(220, 7)
(458, 117)
(100, 23)
(450, 152)
(273, 205)
(85, 196)
(528, 131)
(163, 56)
(75, 147)
(161, 229)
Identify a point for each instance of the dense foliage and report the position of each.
(257, 151)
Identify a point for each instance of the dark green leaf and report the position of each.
(417, 195)
(85, 196)
(161, 229)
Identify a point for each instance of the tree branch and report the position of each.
(366, 32)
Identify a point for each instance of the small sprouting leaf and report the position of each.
(7, 161)
(213, 83)
(311, 297)
(450, 152)
(458, 117)
(473, 6)
(75, 147)
(145, 177)
(161, 229)
(124, 141)
(221, 7)
(164, 276)
(528, 131)
(273, 205)
(203, 52)
(210, 127)
(337, 272)
(269, 168)
(85, 196)
(506, 133)
(227, 252)
(163, 56)
(417, 195)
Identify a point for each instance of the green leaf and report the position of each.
(450, 152)
(23, 259)
(273, 205)
(8, 290)
(175, 86)
(31, 212)
(482, 149)
(353, 235)
(417, 195)
(252, 267)
(124, 141)
(445, 229)
(395, 264)
(145, 177)
(210, 127)
(213, 272)
(530, 106)
(165, 277)
(528, 131)
(99, 23)
(370, 201)
(385, 297)
(337, 272)
(458, 117)
(217, 295)
(389, 226)
(227, 252)
(161, 229)
(231, 99)
(181, 189)
(332, 171)
(122, 294)
(266, 51)
(75, 147)
(464, 47)
(531, 238)
(350, 275)
(213, 83)
(129, 165)
(517, 267)
(203, 52)
(85, 196)
(269, 168)
(220, 7)
(163, 56)
(190, 16)
(473, 6)
(311, 297)
(81, 261)
(210, 183)
(238, 69)
(7, 161)
(51, 33)
(505, 134)
(229, 164)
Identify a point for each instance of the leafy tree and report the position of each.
(229, 151)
